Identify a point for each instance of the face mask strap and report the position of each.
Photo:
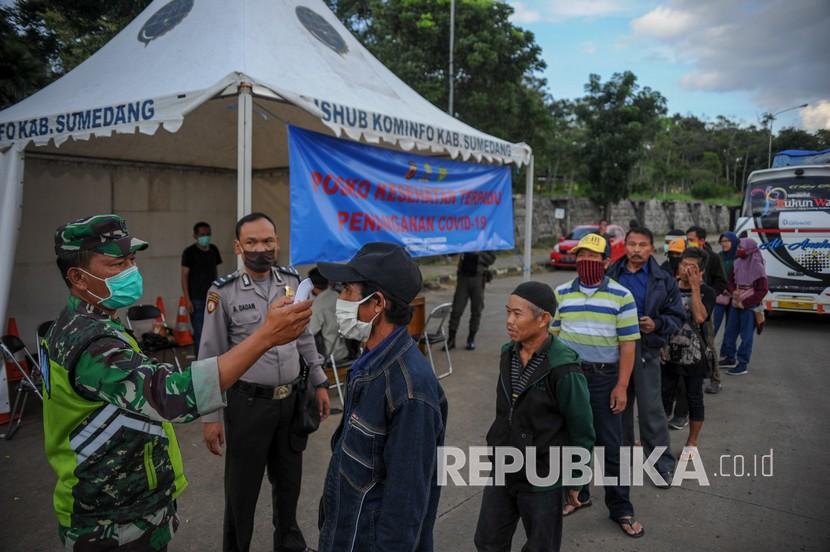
(100, 299)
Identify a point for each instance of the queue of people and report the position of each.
(576, 361)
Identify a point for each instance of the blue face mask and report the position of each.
(125, 288)
(203, 241)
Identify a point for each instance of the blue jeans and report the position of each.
(197, 320)
(720, 312)
(609, 429)
(739, 323)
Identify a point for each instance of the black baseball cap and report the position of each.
(387, 265)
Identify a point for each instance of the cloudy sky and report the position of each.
(738, 58)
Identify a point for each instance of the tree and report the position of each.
(618, 117)
(56, 35)
(497, 65)
(23, 70)
(795, 138)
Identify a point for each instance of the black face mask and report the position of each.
(258, 261)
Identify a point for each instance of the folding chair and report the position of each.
(438, 319)
(13, 348)
(354, 352)
(158, 343)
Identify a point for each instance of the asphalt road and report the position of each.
(780, 406)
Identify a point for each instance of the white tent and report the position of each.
(212, 84)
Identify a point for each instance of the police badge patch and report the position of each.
(212, 301)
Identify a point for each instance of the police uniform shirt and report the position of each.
(236, 306)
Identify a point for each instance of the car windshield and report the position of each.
(580, 232)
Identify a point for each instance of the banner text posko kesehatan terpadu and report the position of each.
(345, 194)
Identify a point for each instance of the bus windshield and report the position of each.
(768, 197)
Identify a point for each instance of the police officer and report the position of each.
(472, 273)
(107, 407)
(261, 406)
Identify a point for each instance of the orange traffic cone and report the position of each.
(182, 334)
(12, 373)
(161, 320)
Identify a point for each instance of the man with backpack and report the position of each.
(687, 355)
(542, 401)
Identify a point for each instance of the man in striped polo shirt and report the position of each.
(597, 318)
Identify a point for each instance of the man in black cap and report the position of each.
(542, 401)
(381, 490)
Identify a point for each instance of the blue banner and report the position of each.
(345, 194)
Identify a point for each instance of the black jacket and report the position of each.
(715, 275)
(483, 260)
(663, 304)
(554, 410)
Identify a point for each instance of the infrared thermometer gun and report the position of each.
(303, 292)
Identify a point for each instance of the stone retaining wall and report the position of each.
(659, 216)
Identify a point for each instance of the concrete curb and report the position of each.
(504, 272)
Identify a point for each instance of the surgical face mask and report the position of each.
(347, 322)
(125, 288)
(258, 261)
(203, 241)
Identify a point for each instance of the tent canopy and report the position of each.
(212, 84)
(303, 65)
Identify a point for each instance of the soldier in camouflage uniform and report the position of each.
(108, 406)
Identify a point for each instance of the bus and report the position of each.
(786, 210)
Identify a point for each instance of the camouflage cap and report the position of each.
(104, 234)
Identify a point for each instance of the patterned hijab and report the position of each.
(751, 267)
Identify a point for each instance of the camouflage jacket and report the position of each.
(106, 420)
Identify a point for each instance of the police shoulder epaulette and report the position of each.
(228, 278)
(289, 270)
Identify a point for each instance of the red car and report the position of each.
(561, 256)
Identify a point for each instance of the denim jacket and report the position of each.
(381, 490)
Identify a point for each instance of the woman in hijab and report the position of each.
(729, 248)
(748, 286)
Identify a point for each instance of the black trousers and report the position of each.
(693, 389)
(501, 509)
(257, 439)
(467, 288)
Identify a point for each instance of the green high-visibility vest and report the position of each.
(113, 466)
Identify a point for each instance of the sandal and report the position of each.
(624, 522)
(586, 504)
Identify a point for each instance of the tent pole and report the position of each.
(244, 141)
(11, 208)
(451, 107)
(528, 221)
